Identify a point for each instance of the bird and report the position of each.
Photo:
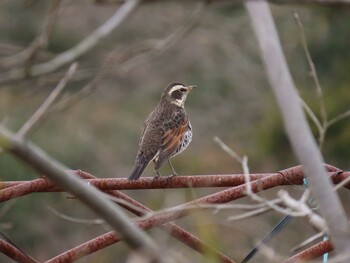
(166, 132)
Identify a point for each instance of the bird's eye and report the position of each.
(183, 90)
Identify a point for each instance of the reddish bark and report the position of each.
(312, 252)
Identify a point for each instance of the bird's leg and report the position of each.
(173, 170)
(157, 176)
(157, 172)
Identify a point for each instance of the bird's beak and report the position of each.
(191, 87)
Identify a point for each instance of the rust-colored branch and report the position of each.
(259, 182)
(288, 176)
(13, 252)
(293, 175)
(312, 252)
(165, 217)
(110, 238)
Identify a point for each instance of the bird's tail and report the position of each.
(138, 170)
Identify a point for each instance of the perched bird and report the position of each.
(166, 132)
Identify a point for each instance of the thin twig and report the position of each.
(312, 115)
(308, 241)
(227, 149)
(341, 184)
(76, 220)
(312, 68)
(296, 125)
(173, 229)
(35, 119)
(338, 118)
(249, 214)
(88, 89)
(244, 163)
(158, 46)
(92, 197)
(39, 43)
(301, 207)
(322, 128)
(77, 51)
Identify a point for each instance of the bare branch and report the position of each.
(308, 241)
(139, 210)
(244, 162)
(80, 49)
(10, 250)
(39, 43)
(76, 220)
(301, 207)
(312, 115)
(227, 149)
(338, 118)
(40, 112)
(311, 253)
(312, 69)
(296, 126)
(155, 47)
(88, 89)
(93, 198)
(290, 176)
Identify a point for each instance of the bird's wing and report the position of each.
(145, 125)
(172, 138)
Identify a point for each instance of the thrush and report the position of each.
(166, 131)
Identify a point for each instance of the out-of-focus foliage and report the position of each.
(100, 133)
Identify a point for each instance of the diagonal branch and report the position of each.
(173, 229)
(93, 198)
(177, 212)
(311, 253)
(77, 51)
(39, 43)
(296, 126)
(40, 112)
(13, 252)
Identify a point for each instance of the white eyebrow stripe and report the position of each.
(176, 87)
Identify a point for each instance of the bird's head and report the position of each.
(176, 93)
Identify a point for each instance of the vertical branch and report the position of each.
(324, 117)
(298, 131)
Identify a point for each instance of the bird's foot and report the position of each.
(155, 178)
(171, 176)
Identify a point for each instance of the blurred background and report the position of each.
(100, 132)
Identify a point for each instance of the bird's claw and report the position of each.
(171, 176)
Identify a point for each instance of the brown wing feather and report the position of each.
(172, 139)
